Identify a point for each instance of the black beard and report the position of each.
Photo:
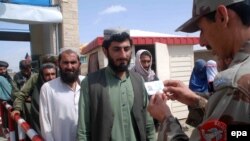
(69, 77)
(26, 76)
(115, 68)
(7, 76)
(4, 75)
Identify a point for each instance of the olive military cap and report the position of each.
(201, 8)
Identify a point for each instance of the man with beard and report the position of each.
(24, 74)
(59, 100)
(113, 100)
(7, 86)
(20, 78)
(5, 81)
(47, 72)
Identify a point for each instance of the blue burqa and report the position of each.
(198, 81)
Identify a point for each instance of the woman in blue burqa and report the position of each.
(198, 83)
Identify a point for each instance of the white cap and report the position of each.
(113, 31)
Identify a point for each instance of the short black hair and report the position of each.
(24, 64)
(118, 38)
(48, 66)
(48, 58)
(241, 9)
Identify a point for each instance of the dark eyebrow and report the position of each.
(69, 61)
(121, 47)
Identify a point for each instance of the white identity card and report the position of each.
(154, 86)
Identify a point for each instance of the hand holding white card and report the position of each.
(154, 86)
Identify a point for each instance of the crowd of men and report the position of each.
(113, 104)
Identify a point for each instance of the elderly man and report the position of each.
(225, 27)
(59, 100)
(32, 86)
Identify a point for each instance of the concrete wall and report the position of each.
(181, 64)
(162, 61)
(43, 40)
(49, 38)
(69, 30)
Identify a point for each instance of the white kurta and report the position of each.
(59, 111)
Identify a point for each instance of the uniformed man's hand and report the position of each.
(177, 90)
(158, 108)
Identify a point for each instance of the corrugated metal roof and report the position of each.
(146, 41)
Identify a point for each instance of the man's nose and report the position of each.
(51, 77)
(123, 53)
(147, 64)
(203, 41)
(69, 65)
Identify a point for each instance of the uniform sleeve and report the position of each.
(150, 128)
(83, 130)
(45, 122)
(170, 130)
(24, 93)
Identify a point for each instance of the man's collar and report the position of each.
(112, 72)
(242, 54)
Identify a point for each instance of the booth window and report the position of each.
(83, 59)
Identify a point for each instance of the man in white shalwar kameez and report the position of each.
(59, 100)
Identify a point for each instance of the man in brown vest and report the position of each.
(113, 100)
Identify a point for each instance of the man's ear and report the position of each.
(221, 15)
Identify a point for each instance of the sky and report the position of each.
(162, 16)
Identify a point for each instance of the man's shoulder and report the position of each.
(18, 74)
(231, 76)
(96, 74)
(3, 79)
(135, 75)
(52, 83)
(34, 76)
